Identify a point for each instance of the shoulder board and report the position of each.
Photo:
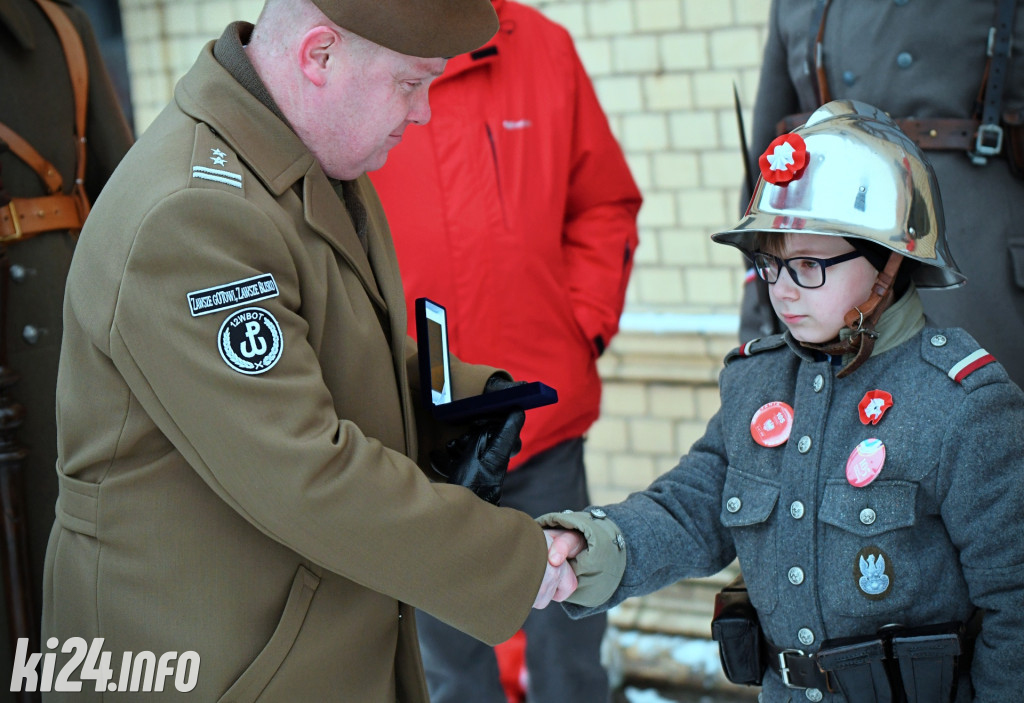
(961, 358)
(755, 346)
(214, 164)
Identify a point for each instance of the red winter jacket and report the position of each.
(514, 208)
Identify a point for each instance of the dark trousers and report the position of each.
(563, 656)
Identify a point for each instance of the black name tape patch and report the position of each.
(232, 295)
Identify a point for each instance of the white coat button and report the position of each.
(598, 514)
(796, 576)
(30, 334)
(804, 445)
(733, 505)
(867, 516)
(939, 340)
(18, 273)
(805, 636)
(819, 383)
(620, 542)
(796, 510)
(813, 694)
(904, 59)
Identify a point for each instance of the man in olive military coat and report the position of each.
(237, 430)
(923, 63)
(38, 104)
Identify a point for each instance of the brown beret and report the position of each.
(425, 28)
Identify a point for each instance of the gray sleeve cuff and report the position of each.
(600, 566)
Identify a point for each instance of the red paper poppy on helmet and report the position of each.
(784, 159)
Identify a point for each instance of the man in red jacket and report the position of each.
(515, 209)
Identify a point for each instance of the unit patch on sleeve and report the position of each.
(250, 341)
(231, 295)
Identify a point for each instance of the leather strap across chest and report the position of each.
(23, 218)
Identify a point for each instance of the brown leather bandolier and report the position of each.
(941, 134)
(23, 218)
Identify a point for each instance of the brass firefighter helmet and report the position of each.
(850, 172)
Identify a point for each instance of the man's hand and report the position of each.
(563, 545)
(559, 580)
(479, 459)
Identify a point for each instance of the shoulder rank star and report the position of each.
(784, 159)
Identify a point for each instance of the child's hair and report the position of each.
(770, 242)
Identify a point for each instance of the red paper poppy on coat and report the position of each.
(784, 159)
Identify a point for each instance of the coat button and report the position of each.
(796, 575)
(819, 383)
(804, 445)
(938, 340)
(867, 516)
(805, 636)
(813, 694)
(904, 59)
(733, 505)
(849, 77)
(620, 542)
(796, 510)
(18, 273)
(30, 334)
(598, 514)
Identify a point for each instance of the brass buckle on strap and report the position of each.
(17, 225)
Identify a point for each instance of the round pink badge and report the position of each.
(865, 462)
(772, 424)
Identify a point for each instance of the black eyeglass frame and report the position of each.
(780, 263)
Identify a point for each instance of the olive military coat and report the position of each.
(922, 60)
(236, 425)
(38, 104)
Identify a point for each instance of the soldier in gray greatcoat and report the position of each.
(924, 63)
(864, 466)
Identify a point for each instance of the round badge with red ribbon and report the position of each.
(784, 160)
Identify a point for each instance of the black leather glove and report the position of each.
(479, 459)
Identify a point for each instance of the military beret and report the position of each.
(424, 28)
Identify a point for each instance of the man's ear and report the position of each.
(316, 50)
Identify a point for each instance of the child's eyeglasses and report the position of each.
(806, 271)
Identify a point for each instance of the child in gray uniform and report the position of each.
(865, 468)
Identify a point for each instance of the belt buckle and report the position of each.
(16, 221)
(989, 142)
(784, 670)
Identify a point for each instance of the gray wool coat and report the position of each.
(944, 512)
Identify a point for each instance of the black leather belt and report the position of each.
(797, 669)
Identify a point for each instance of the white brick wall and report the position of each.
(664, 71)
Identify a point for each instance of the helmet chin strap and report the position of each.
(862, 320)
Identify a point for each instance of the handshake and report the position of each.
(559, 579)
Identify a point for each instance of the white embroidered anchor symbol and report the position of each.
(256, 346)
